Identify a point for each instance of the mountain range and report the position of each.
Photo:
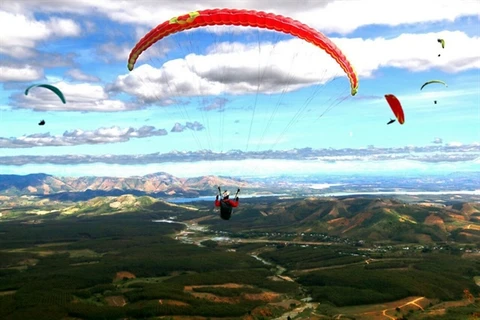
(375, 219)
(437, 188)
(157, 184)
(372, 219)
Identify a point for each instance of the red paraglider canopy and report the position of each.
(250, 18)
(396, 107)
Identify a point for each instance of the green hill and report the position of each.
(359, 218)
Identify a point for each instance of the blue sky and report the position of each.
(233, 88)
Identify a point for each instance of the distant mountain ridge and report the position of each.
(309, 219)
(160, 183)
(374, 219)
(164, 185)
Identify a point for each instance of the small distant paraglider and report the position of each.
(433, 81)
(50, 87)
(442, 42)
(396, 107)
(391, 121)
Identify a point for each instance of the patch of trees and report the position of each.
(386, 265)
(435, 278)
(255, 277)
(47, 290)
(297, 258)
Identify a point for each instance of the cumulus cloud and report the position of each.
(323, 15)
(195, 126)
(118, 52)
(437, 140)
(76, 137)
(177, 128)
(217, 104)
(427, 154)
(79, 75)
(80, 97)
(20, 73)
(42, 60)
(454, 144)
(21, 33)
(233, 68)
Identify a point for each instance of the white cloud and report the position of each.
(285, 65)
(120, 52)
(25, 73)
(437, 140)
(427, 154)
(63, 27)
(414, 52)
(454, 144)
(76, 137)
(21, 33)
(195, 126)
(291, 64)
(329, 16)
(79, 97)
(79, 75)
(392, 13)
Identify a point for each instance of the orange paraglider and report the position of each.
(396, 107)
(246, 18)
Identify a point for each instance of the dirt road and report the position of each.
(411, 302)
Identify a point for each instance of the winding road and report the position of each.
(412, 302)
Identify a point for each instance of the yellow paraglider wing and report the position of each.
(442, 42)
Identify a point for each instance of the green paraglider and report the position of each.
(48, 86)
(433, 81)
(442, 42)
